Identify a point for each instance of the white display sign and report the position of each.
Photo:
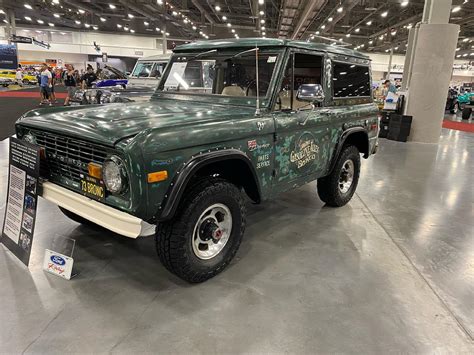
(16, 195)
(58, 264)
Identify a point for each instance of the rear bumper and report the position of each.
(96, 212)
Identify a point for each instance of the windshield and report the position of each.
(149, 69)
(224, 73)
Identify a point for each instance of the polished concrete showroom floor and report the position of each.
(390, 272)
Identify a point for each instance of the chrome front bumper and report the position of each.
(103, 215)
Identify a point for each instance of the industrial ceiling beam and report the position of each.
(311, 6)
(203, 11)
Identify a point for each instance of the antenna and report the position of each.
(257, 110)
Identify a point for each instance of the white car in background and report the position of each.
(142, 83)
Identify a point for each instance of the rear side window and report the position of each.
(350, 80)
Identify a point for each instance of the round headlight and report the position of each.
(30, 138)
(114, 174)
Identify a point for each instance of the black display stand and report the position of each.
(22, 199)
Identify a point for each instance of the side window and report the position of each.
(307, 69)
(350, 80)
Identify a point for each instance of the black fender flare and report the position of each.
(182, 178)
(341, 141)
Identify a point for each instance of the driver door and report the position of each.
(302, 129)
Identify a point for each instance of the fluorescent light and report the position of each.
(330, 19)
(28, 6)
(340, 9)
(130, 16)
(87, 25)
(28, 18)
(404, 3)
(323, 27)
(263, 28)
(264, 34)
(194, 28)
(174, 13)
(57, 15)
(1, 11)
(262, 21)
(119, 25)
(40, 21)
(224, 18)
(132, 31)
(146, 23)
(357, 30)
(384, 14)
(77, 22)
(317, 33)
(229, 24)
(233, 31)
(95, 28)
(218, 8)
(112, 6)
(455, 9)
(81, 11)
(458, 49)
(370, 42)
(261, 2)
(159, 2)
(368, 23)
(158, 29)
(393, 33)
(465, 39)
(103, 19)
(50, 24)
(167, 33)
(348, 35)
(261, 13)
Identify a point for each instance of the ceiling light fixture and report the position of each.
(357, 30)
(348, 35)
(132, 31)
(87, 25)
(40, 21)
(174, 13)
(28, 6)
(465, 39)
(77, 22)
(218, 8)
(50, 24)
(229, 24)
(384, 14)
(368, 23)
(224, 18)
(27, 18)
(159, 2)
(57, 15)
(455, 9)
(404, 3)
(330, 19)
(261, 13)
(146, 23)
(262, 21)
(112, 6)
(119, 25)
(95, 28)
(323, 27)
(340, 9)
(261, 2)
(130, 16)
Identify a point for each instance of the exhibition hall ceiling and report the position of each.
(369, 25)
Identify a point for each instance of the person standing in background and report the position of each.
(69, 82)
(45, 84)
(19, 77)
(52, 95)
(389, 87)
(88, 78)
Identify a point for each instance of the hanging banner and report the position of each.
(8, 56)
(22, 198)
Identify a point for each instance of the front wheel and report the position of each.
(204, 235)
(338, 188)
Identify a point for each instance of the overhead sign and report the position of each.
(22, 198)
(21, 39)
(41, 44)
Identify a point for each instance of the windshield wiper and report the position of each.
(245, 52)
(203, 54)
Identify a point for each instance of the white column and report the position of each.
(429, 62)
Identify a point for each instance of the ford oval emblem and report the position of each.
(57, 260)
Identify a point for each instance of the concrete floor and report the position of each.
(390, 272)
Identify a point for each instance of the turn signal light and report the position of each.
(94, 170)
(157, 176)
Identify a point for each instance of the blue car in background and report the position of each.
(110, 77)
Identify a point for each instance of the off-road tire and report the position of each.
(466, 113)
(328, 187)
(174, 237)
(76, 218)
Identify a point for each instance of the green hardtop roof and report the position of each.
(266, 42)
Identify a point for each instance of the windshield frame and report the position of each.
(215, 98)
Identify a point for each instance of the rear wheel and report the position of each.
(26, 81)
(338, 188)
(466, 113)
(204, 235)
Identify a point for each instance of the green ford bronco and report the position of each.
(229, 118)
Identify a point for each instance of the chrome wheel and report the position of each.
(212, 231)
(347, 176)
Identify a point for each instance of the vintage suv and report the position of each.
(230, 118)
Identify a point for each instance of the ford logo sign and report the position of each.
(57, 260)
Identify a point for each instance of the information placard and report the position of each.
(22, 198)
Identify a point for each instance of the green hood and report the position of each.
(108, 124)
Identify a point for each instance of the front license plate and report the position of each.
(93, 188)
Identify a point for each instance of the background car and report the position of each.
(109, 77)
(11, 74)
(5, 82)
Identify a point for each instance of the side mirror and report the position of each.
(310, 92)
